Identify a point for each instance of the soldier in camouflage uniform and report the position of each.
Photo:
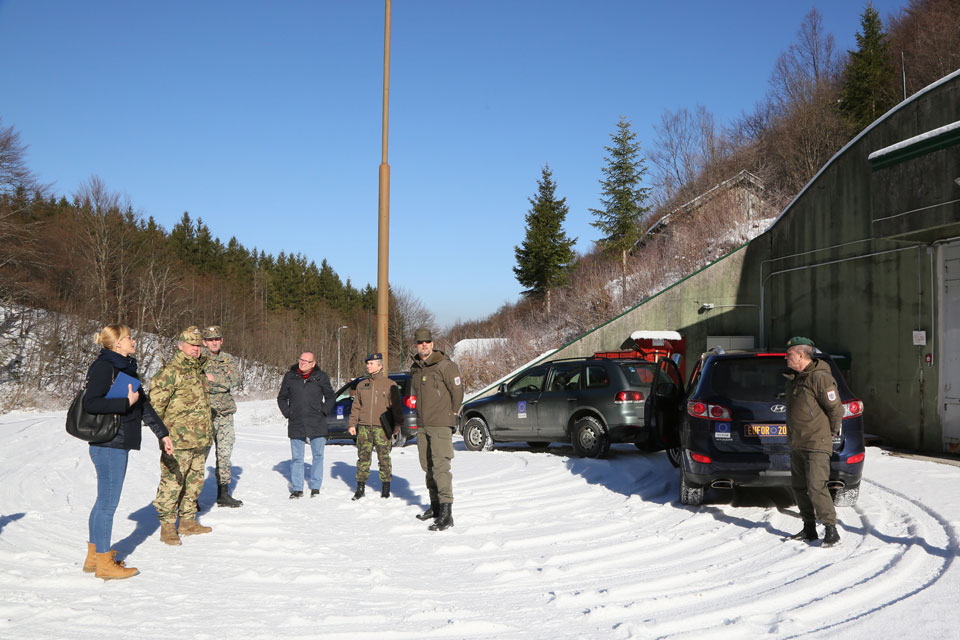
(224, 376)
(180, 394)
(376, 409)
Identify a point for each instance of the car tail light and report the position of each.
(711, 411)
(853, 408)
(718, 412)
(697, 409)
(782, 354)
(855, 459)
(699, 457)
(411, 402)
(628, 397)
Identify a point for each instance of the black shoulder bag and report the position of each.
(91, 427)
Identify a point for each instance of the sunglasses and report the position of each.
(424, 341)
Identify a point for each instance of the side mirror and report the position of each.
(502, 388)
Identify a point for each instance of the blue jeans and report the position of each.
(316, 464)
(111, 466)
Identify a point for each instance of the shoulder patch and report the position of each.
(456, 381)
(832, 395)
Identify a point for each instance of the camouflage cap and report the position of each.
(798, 340)
(191, 335)
(423, 335)
(213, 331)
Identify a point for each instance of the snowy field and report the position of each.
(545, 546)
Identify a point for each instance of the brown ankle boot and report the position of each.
(192, 527)
(90, 564)
(110, 569)
(168, 533)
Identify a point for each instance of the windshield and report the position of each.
(639, 374)
(748, 379)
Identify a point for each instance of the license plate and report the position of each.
(765, 430)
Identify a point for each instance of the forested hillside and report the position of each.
(703, 188)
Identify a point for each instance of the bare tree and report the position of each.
(688, 148)
(106, 242)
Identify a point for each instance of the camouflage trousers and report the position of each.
(369, 438)
(181, 479)
(224, 437)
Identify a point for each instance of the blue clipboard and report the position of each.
(119, 388)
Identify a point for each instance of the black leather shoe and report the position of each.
(808, 534)
(444, 518)
(224, 499)
(830, 536)
(296, 494)
(314, 493)
(361, 490)
(430, 514)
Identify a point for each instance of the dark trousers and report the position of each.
(435, 445)
(810, 471)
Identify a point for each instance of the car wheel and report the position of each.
(674, 455)
(538, 445)
(476, 436)
(590, 438)
(846, 497)
(689, 494)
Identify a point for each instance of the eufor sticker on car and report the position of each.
(721, 430)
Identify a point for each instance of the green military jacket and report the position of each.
(814, 408)
(376, 395)
(439, 390)
(180, 394)
(226, 377)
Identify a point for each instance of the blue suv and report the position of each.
(734, 432)
(337, 422)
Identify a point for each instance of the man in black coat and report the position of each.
(305, 399)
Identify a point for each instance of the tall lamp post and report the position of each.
(338, 355)
(383, 253)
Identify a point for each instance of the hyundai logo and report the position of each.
(778, 408)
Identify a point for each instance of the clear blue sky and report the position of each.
(264, 118)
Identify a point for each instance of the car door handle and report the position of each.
(571, 399)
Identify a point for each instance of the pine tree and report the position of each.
(623, 199)
(545, 256)
(868, 82)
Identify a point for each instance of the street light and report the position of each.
(338, 355)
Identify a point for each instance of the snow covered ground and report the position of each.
(545, 546)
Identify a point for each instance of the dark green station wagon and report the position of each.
(588, 402)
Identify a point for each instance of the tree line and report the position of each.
(93, 259)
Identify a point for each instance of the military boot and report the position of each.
(808, 534)
(192, 527)
(224, 499)
(431, 513)
(168, 533)
(385, 490)
(361, 488)
(444, 517)
(109, 569)
(830, 536)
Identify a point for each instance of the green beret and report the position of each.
(798, 340)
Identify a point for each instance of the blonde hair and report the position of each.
(111, 334)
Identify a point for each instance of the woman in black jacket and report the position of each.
(110, 458)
